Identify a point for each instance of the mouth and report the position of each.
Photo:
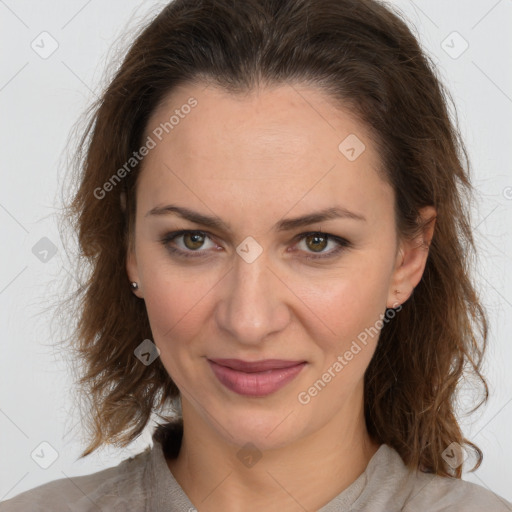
(255, 378)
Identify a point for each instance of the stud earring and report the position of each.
(134, 285)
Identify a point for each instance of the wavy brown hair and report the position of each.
(366, 59)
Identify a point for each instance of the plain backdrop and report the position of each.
(53, 63)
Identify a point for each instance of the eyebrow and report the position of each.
(336, 212)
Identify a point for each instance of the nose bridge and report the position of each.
(252, 306)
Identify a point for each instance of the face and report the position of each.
(254, 286)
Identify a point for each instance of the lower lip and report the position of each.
(257, 383)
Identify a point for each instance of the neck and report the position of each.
(307, 473)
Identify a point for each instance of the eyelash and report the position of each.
(169, 237)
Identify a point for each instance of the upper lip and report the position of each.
(256, 366)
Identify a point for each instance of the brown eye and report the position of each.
(188, 243)
(316, 242)
(193, 241)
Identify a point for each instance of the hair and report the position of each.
(365, 58)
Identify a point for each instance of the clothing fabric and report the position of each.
(144, 483)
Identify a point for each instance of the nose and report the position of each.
(254, 302)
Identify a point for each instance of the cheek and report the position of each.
(166, 295)
(351, 307)
(171, 293)
(178, 304)
(174, 308)
(175, 318)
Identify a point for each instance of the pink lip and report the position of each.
(258, 378)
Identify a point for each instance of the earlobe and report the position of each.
(132, 273)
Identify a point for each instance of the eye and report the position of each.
(316, 241)
(192, 241)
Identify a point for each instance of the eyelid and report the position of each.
(171, 236)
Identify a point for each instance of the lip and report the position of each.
(255, 378)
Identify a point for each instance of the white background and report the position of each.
(40, 100)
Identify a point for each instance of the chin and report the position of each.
(266, 430)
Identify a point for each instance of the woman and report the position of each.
(274, 204)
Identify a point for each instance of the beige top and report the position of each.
(144, 483)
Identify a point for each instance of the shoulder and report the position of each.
(117, 489)
(392, 486)
(438, 494)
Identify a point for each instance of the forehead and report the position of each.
(286, 143)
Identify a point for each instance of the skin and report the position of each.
(253, 160)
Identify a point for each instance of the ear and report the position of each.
(411, 260)
(132, 271)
